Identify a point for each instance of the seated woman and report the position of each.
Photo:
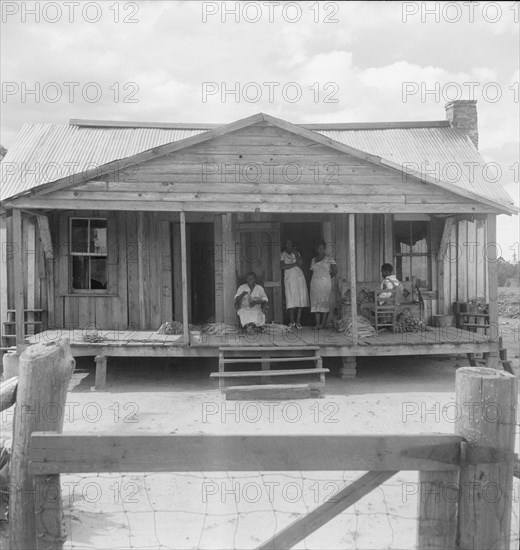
(250, 301)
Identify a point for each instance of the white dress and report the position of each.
(296, 294)
(321, 285)
(247, 313)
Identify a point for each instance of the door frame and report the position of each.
(274, 230)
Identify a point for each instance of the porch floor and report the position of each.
(440, 341)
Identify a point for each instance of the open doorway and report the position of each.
(305, 236)
(201, 272)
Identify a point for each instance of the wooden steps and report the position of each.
(278, 372)
(273, 359)
(31, 326)
(266, 392)
(266, 355)
(27, 310)
(13, 323)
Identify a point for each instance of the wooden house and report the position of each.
(121, 226)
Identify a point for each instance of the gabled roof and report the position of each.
(432, 151)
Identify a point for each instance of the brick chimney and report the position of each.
(462, 114)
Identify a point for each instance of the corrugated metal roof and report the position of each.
(42, 153)
(445, 154)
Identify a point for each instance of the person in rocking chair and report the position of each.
(250, 301)
(390, 282)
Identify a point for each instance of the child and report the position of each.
(390, 282)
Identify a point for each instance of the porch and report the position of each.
(113, 343)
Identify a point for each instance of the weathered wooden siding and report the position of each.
(269, 169)
(464, 269)
(139, 294)
(144, 284)
(370, 248)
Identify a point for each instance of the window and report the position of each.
(89, 253)
(413, 262)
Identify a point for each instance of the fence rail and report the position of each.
(76, 453)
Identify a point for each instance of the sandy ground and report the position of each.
(241, 510)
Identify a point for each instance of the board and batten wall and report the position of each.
(139, 293)
(463, 267)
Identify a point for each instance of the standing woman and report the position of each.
(296, 295)
(323, 268)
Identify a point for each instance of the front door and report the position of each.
(259, 251)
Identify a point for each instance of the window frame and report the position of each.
(428, 254)
(72, 254)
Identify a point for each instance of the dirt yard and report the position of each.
(241, 510)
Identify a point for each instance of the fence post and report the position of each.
(35, 513)
(487, 399)
(437, 510)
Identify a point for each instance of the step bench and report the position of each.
(281, 372)
(265, 355)
(269, 392)
(503, 361)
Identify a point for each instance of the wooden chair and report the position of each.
(385, 309)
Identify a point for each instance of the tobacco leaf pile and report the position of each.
(509, 302)
(407, 322)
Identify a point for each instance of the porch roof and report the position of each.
(43, 153)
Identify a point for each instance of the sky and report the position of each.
(304, 62)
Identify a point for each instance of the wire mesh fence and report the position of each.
(238, 510)
(232, 510)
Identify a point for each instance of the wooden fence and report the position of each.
(479, 455)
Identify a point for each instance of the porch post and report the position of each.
(48, 253)
(389, 243)
(348, 369)
(3, 277)
(184, 276)
(18, 279)
(492, 255)
(352, 266)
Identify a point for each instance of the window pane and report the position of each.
(420, 271)
(79, 236)
(98, 273)
(80, 277)
(406, 268)
(420, 247)
(98, 236)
